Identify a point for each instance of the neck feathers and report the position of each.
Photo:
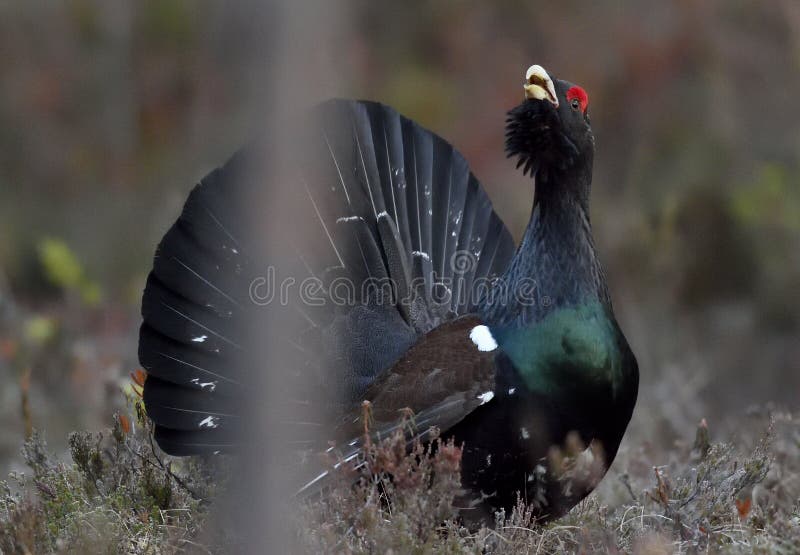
(556, 264)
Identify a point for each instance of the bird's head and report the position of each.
(550, 129)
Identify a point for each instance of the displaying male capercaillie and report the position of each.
(515, 353)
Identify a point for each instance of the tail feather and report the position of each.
(390, 148)
(419, 161)
(381, 197)
(467, 262)
(186, 322)
(171, 361)
(397, 265)
(181, 443)
(203, 276)
(183, 408)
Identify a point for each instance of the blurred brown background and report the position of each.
(111, 111)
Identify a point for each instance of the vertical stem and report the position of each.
(24, 387)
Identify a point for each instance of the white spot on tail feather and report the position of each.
(421, 254)
(524, 433)
(209, 422)
(200, 339)
(348, 219)
(211, 386)
(482, 337)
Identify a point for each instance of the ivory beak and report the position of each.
(539, 86)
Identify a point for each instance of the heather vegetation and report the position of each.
(701, 496)
(115, 493)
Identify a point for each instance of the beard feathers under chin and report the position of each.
(533, 136)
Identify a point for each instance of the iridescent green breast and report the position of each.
(574, 347)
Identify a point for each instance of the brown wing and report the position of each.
(442, 378)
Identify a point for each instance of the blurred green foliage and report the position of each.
(169, 23)
(63, 269)
(60, 263)
(772, 199)
(40, 329)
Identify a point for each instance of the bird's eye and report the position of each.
(576, 104)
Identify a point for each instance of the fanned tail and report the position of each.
(385, 201)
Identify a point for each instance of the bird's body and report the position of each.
(515, 354)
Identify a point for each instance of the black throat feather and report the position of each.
(534, 134)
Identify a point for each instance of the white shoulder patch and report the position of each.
(486, 397)
(482, 337)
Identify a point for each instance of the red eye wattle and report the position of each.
(577, 93)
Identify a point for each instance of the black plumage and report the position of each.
(439, 325)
